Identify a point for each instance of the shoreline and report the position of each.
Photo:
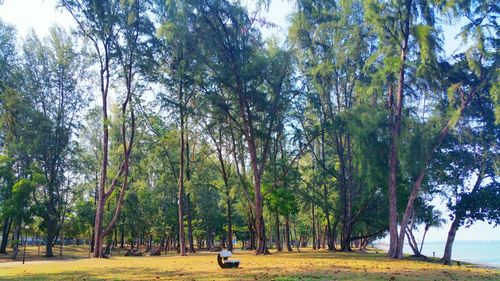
(455, 262)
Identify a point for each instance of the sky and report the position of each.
(41, 14)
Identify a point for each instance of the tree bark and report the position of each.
(256, 169)
(225, 176)
(328, 233)
(251, 228)
(279, 247)
(413, 243)
(313, 227)
(423, 238)
(5, 235)
(446, 259)
(190, 224)
(229, 221)
(180, 196)
(287, 234)
(318, 235)
(17, 231)
(104, 164)
(51, 235)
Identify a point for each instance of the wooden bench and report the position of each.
(222, 259)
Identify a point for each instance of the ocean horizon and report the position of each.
(482, 252)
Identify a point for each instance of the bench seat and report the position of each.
(224, 262)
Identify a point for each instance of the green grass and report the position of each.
(306, 265)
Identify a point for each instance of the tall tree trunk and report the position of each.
(257, 170)
(17, 231)
(318, 235)
(92, 241)
(51, 239)
(251, 228)
(346, 232)
(7, 223)
(324, 238)
(334, 234)
(279, 248)
(99, 216)
(182, 243)
(96, 197)
(328, 233)
(225, 176)
(287, 233)
(396, 250)
(188, 196)
(348, 171)
(313, 227)
(229, 221)
(260, 227)
(190, 224)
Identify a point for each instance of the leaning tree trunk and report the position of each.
(412, 242)
(446, 259)
(423, 237)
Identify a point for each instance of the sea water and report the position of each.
(485, 252)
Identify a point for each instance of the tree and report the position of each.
(398, 25)
(118, 31)
(333, 46)
(180, 79)
(6, 184)
(470, 154)
(408, 30)
(8, 62)
(9, 57)
(235, 58)
(223, 149)
(53, 72)
(19, 208)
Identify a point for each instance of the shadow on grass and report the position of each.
(110, 274)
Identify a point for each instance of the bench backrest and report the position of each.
(225, 254)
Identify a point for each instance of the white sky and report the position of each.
(41, 14)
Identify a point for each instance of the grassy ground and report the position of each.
(36, 254)
(306, 265)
